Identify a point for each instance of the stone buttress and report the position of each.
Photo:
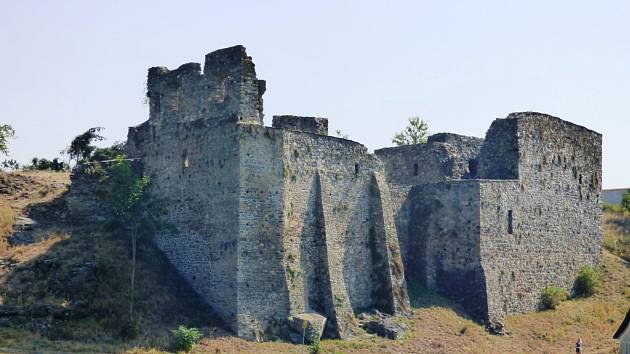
(271, 221)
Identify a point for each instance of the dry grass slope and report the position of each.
(617, 233)
(438, 326)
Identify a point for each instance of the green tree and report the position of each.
(625, 201)
(128, 200)
(11, 164)
(108, 153)
(6, 133)
(416, 132)
(587, 281)
(81, 147)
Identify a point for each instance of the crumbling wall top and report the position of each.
(227, 90)
(453, 139)
(315, 125)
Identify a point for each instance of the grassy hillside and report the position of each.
(84, 270)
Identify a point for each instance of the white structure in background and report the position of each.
(613, 196)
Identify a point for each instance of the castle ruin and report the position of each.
(281, 220)
(491, 222)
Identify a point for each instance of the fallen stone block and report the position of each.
(387, 327)
(310, 325)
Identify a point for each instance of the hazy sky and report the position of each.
(366, 65)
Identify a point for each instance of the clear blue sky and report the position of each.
(366, 65)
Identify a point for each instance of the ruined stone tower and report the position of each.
(491, 223)
(272, 221)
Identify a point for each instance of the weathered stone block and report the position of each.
(310, 325)
(313, 125)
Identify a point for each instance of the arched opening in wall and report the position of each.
(356, 169)
(415, 169)
(510, 222)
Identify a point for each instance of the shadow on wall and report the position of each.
(76, 286)
(314, 262)
(421, 297)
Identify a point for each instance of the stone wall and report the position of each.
(555, 208)
(313, 125)
(499, 155)
(226, 90)
(277, 221)
(271, 222)
(444, 157)
(504, 239)
(180, 158)
(324, 202)
(444, 245)
(190, 149)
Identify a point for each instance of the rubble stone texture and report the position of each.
(272, 221)
(278, 221)
(526, 213)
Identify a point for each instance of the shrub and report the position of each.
(587, 281)
(316, 346)
(186, 338)
(108, 153)
(625, 201)
(552, 296)
(43, 164)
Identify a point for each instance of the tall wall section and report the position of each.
(541, 229)
(444, 157)
(271, 222)
(444, 247)
(532, 220)
(198, 179)
(315, 212)
(190, 149)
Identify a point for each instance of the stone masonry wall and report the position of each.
(180, 158)
(556, 214)
(322, 200)
(190, 149)
(444, 242)
(499, 155)
(226, 90)
(270, 222)
(276, 221)
(445, 156)
(313, 125)
(437, 160)
(263, 300)
(534, 221)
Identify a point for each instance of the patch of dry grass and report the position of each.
(7, 219)
(617, 234)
